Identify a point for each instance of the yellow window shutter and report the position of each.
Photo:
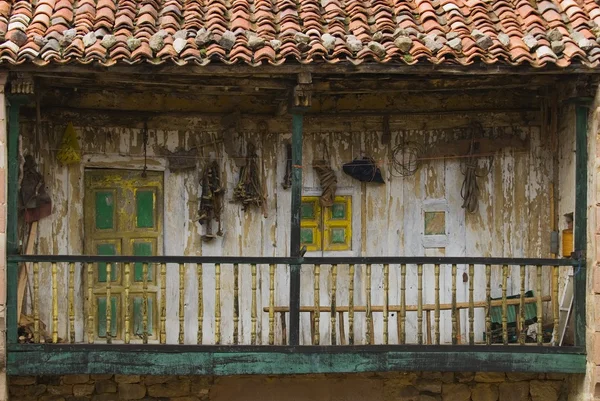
(338, 225)
(310, 223)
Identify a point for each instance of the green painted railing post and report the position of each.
(12, 245)
(297, 119)
(580, 230)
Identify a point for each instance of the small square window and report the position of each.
(435, 223)
(338, 235)
(338, 211)
(308, 210)
(307, 236)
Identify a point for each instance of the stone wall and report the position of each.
(425, 386)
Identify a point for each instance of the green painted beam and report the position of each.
(580, 230)
(51, 360)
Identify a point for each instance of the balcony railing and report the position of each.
(357, 305)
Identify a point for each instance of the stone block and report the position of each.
(76, 379)
(101, 377)
(63, 389)
(596, 348)
(201, 385)
(27, 391)
(456, 392)
(544, 390)
(556, 376)
(49, 380)
(78, 398)
(429, 397)
(83, 389)
(429, 386)
(517, 391)
(177, 388)
(516, 377)
(155, 379)
(484, 392)
(51, 398)
(21, 380)
(104, 397)
(127, 378)
(187, 398)
(464, 377)
(106, 386)
(490, 377)
(131, 391)
(448, 377)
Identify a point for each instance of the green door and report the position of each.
(123, 216)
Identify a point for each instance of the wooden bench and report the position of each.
(427, 308)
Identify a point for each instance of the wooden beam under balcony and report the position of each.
(29, 359)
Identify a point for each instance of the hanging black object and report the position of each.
(364, 170)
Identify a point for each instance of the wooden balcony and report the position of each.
(242, 315)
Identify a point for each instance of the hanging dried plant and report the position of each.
(248, 190)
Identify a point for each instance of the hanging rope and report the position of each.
(327, 179)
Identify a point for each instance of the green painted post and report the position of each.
(297, 120)
(580, 231)
(12, 245)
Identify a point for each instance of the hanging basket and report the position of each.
(69, 151)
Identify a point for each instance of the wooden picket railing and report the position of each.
(506, 317)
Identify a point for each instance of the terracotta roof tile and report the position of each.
(277, 31)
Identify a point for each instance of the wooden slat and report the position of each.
(454, 310)
(369, 334)
(236, 304)
(333, 303)
(555, 308)
(504, 305)
(437, 304)
(253, 311)
(402, 320)
(181, 303)
(386, 302)
(199, 273)
(144, 302)
(522, 330)
(540, 326)
(271, 305)
(317, 303)
(163, 303)
(471, 305)
(127, 279)
(36, 302)
(351, 305)
(488, 308)
(108, 303)
(91, 301)
(217, 303)
(420, 304)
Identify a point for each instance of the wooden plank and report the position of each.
(287, 360)
(412, 308)
(482, 147)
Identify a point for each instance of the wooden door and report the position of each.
(123, 216)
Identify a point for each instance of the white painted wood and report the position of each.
(387, 220)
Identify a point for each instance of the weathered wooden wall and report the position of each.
(513, 218)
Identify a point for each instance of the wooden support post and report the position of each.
(12, 221)
(580, 231)
(297, 120)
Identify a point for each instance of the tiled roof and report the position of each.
(199, 32)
